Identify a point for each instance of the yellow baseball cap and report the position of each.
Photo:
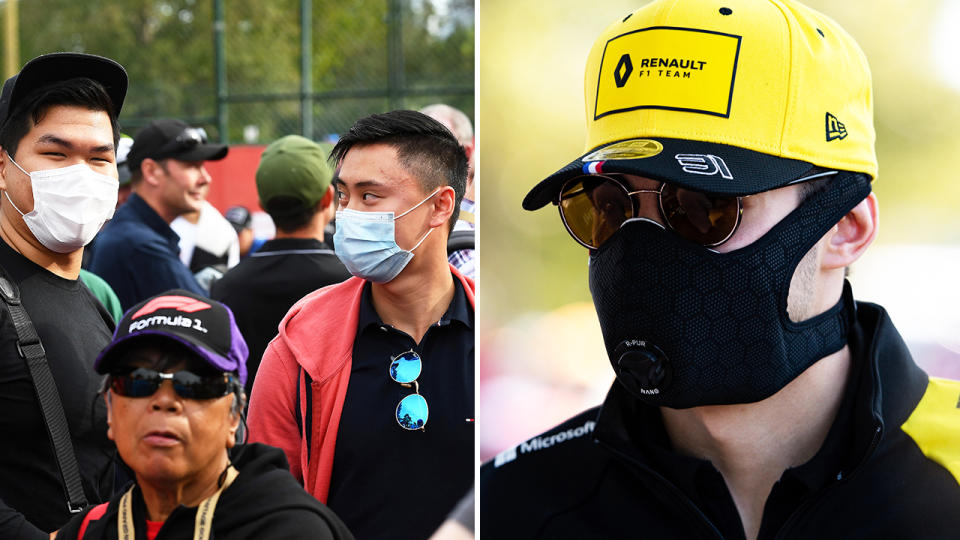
(730, 97)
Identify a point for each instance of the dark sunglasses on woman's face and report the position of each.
(143, 382)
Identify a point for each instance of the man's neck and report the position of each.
(153, 201)
(753, 444)
(65, 265)
(415, 299)
(313, 229)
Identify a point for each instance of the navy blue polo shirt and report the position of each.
(388, 482)
(138, 254)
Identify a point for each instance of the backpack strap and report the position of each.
(31, 350)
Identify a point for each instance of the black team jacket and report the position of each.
(889, 467)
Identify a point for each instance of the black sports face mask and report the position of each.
(685, 326)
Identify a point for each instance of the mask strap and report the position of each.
(422, 239)
(416, 205)
(15, 163)
(6, 192)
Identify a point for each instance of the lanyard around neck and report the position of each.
(202, 524)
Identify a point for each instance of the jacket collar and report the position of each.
(150, 217)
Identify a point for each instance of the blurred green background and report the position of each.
(236, 66)
(530, 122)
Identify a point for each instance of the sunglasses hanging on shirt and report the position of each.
(412, 411)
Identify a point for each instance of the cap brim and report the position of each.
(708, 167)
(204, 152)
(106, 357)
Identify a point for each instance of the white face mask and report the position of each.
(70, 204)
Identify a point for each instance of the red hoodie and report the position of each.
(317, 334)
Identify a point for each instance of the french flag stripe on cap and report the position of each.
(594, 167)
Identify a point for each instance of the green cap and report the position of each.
(293, 166)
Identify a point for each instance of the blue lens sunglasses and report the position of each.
(412, 411)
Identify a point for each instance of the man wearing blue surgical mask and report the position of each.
(378, 370)
(58, 175)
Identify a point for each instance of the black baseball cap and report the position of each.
(204, 326)
(170, 138)
(62, 66)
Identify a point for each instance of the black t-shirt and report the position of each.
(73, 327)
(388, 482)
(262, 288)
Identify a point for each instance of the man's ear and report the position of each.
(236, 410)
(150, 170)
(849, 238)
(327, 198)
(4, 164)
(443, 204)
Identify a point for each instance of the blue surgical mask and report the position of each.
(366, 243)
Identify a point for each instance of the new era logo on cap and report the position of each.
(835, 128)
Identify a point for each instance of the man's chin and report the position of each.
(192, 205)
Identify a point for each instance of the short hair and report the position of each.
(811, 187)
(424, 146)
(136, 174)
(458, 121)
(289, 213)
(79, 92)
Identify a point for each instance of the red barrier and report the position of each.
(234, 178)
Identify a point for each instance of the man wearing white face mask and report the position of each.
(379, 369)
(58, 175)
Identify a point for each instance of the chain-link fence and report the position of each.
(239, 67)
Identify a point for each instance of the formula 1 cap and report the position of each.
(61, 66)
(204, 326)
(730, 97)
